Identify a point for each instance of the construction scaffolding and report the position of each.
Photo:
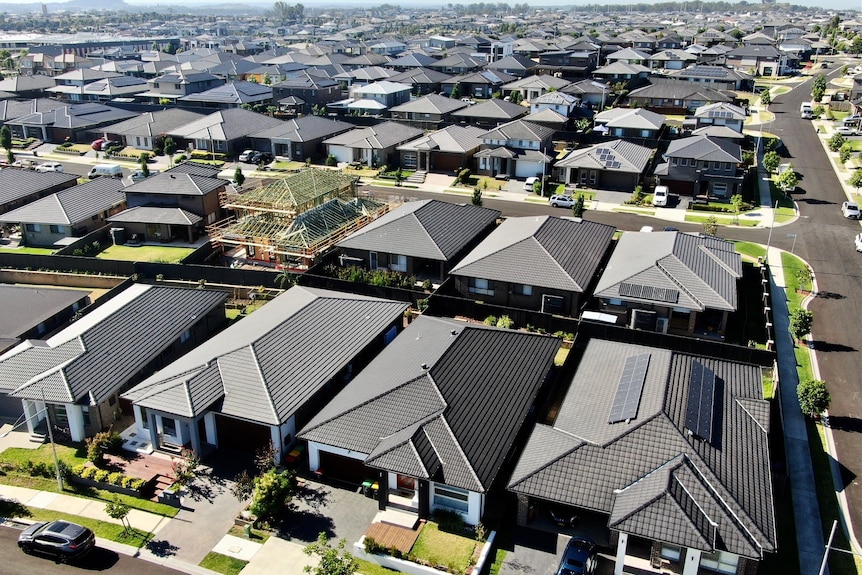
(292, 221)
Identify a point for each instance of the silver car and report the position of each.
(562, 201)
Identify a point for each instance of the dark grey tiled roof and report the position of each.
(261, 366)
(72, 205)
(155, 215)
(703, 269)
(519, 130)
(226, 125)
(416, 393)
(177, 183)
(27, 307)
(428, 229)
(563, 253)
(705, 148)
(613, 156)
(195, 169)
(623, 468)
(15, 183)
(106, 348)
(493, 108)
(304, 129)
(155, 123)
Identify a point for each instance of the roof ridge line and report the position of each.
(747, 412)
(676, 281)
(263, 381)
(461, 451)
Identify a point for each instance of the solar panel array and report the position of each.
(666, 295)
(629, 388)
(708, 72)
(701, 401)
(607, 157)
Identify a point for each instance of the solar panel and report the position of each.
(666, 295)
(701, 400)
(629, 388)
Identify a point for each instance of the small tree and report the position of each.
(464, 176)
(856, 180)
(331, 560)
(456, 92)
(835, 142)
(787, 180)
(845, 153)
(770, 161)
(238, 176)
(737, 202)
(6, 142)
(267, 81)
(118, 510)
(710, 226)
(801, 321)
(272, 493)
(285, 278)
(476, 198)
(765, 98)
(578, 207)
(399, 176)
(145, 169)
(265, 457)
(243, 486)
(170, 148)
(813, 397)
(537, 187)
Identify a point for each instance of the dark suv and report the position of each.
(261, 158)
(62, 540)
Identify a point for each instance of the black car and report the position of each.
(579, 557)
(262, 158)
(62, 540)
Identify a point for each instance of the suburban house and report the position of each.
(144, 131)
(674, 95)
(172, 205)
(231, 95)
(560, 102)
(225, 132)
(671, 282)
(425, 238)
(109, 89)
(423, 419)
(702, 166)
(292, 221)
(564, 257)
(716, 77)
(69, 213)
(256, 381)
(37, 312)
(298, 138)
(534, 86)
(721, 120)
(80, 371)
(489, 113)
(514, 65)
(69, 86)
(631, 123)
(613, 165)
(306, 91)
(175, 84)
(421, 80)
(670, 60)
(758, 60)
(483, 84)
(660, 454)
(19, 187)
(73, 121)
(26, 86)
(519, 148)
(426, 112)
(373, 145)
(446, 150)
(379, 96)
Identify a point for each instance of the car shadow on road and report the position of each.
(98, 560)
(826, 346)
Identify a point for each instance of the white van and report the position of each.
(659, 196)
(105, 171)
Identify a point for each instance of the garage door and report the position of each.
(341, 153)
(241, 435)
(10, 407)
(345, 468)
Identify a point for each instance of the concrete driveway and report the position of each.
(535, 552)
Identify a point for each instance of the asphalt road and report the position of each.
(13, 560)
(825, 240)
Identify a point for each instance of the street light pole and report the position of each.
(51, 439)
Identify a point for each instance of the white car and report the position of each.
(659, 196)
(845, 131)
(851, 210)
(562, 201)
(246, 156)
(50, 167)
(858, 242)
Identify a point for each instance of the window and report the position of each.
(719, 189)
(138, 141)
(34, 228)
(57, 229)
(451, 497)
(145, 418)
(480, 286)
(185, 336)
(85, 411)
(60, 415)
(522, 289)
(720, 561)
(398, 263)
(169, 426)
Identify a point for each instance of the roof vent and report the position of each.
(424, 366)
(454, 332)
(173, 176)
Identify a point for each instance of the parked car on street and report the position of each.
(139, 175)
(845, 131)
(851, 210)
(261, 158)
(50, 167)
(858, 242)
(246, 156)
(562, 201)
(62, 540)
(578, 558)
(97, 144)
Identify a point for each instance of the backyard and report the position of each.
(145, 253)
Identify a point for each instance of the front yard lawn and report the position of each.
(442, 548)
(222, 563)
(103, 529)
(159, 254)
(750, 250)
(31, 251)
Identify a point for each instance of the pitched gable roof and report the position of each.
(410, 408)
(563, 254)
(428, 229)
(706, 149)
(261, 369)
(72, 205)
(613, 155)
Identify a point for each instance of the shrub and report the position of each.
(331, 160)
(835, 142)
(101, 475)
(427, 285)
(136, 483)
(180, 158)
(116, 478)
(89, 472)
(813, 396)
(128, 482)
(272, 492)
(450, 521)
(78, 470)
(505, 322)
(464, 176)
(491, 320)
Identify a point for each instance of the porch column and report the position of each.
(153, 429)
(31, 411)
(195, 436)
(692, 562)
(523, 509)
(383, 491)
(210, 425)
(190, 234)
(424, 499)
(621, 554)
(76, 422)
(692, 319)
(723, 325)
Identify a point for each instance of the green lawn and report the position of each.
(722, 220)
(222, 563)
(499, 557)
(257, 535)
(26, 250)
(103, 529)
(442, 548)
(369, 568)
(750, 250)
(792, 266)
(160, 254)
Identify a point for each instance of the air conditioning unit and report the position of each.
(661, 324)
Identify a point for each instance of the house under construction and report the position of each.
(290, 222)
